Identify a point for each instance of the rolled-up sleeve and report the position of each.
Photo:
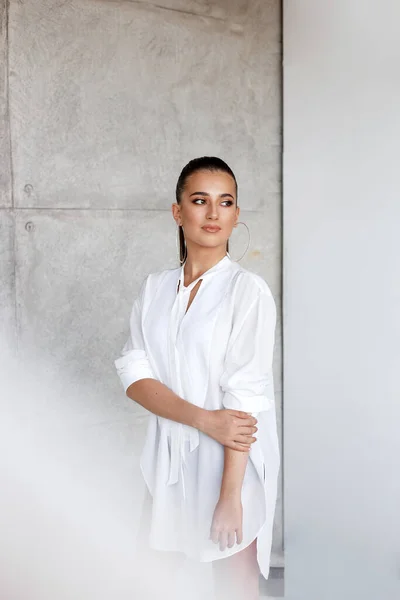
(133, 363)
(247, 380)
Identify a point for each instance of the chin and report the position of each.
(213, 245)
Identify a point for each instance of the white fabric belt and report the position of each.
(177, 436)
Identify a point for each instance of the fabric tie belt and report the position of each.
(178, 434)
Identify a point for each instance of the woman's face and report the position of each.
(207, 211)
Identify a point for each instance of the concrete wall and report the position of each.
(101, 104)
(341, 215)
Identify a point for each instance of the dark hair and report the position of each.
(204, 163)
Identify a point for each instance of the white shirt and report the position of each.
(217, 355)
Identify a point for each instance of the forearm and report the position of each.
(163, 402)
(235, 463)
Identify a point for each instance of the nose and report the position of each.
(212, 213)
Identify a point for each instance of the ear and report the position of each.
(237, 215)
(176, 213)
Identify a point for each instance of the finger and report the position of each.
(231, 539)
(246, 416)
(214, 535)
(249, 422)
(253, 420)
(245, 439)
(247, 430)
(223, 539)
(239, 535)
(240, 414)
(241, 447)
(238, 447)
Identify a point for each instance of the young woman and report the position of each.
(199, 358)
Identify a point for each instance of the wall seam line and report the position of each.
(177, 10)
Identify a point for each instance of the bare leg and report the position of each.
(237, 577)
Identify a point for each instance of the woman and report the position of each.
(199, 358)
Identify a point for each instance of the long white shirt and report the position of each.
(216, 355)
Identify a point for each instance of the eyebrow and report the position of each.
(206, 194)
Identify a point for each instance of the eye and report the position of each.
(201, 201)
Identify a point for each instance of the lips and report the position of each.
(211, 229)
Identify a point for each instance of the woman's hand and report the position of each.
(231, 428)
(226, 527)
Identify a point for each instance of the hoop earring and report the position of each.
(248, 242)
(177, 240)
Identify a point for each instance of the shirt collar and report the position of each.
(221, 264)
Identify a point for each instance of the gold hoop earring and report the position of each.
(248, 242)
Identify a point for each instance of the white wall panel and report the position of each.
(341, 215)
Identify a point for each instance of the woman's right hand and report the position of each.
(231, 428)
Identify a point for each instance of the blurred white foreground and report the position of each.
(68, 511)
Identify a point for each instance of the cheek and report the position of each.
(194, 218)
(228, 221)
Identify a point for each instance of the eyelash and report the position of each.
(230, 202)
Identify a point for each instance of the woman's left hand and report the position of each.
(226, 527)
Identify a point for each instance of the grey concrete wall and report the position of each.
(104, 102)
(341, 215)
(7, 269)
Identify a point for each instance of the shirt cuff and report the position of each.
(133, 366)
(249, 404)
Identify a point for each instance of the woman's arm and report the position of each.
(226, 527)
(234, 468)
(248, 385)
(231, 428)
